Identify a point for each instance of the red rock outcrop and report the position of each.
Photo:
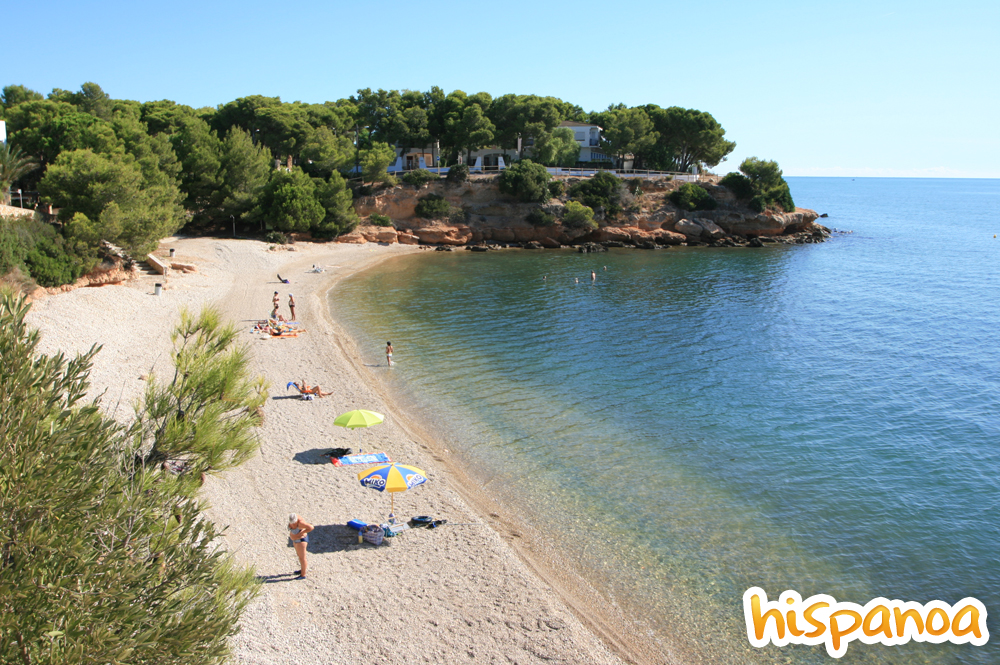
(493, 217)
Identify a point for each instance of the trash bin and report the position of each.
(172, 250)
(157, 289)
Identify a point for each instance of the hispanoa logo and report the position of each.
(820, 619)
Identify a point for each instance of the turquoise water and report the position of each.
(699, 420)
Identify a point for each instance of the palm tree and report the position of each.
(13, 165)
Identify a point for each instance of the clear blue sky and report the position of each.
(825, 88)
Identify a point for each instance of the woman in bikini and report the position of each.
(298, 531)
(306, 389)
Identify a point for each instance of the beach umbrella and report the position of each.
(392, 478)
(358, 418)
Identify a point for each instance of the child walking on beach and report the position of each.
(388, 353)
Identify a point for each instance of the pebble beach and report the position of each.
(482, 588)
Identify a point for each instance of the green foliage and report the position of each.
(739, 185)
(276, 237)
(379, 220)
(460, 122)
(432, 206)
(289, 202)
(13, 245)
(328, 150)
(692, 197)
(556, 188)
(625, 130)
(13, 166)
(557, 148)
(50, 258)
(45, 128)
(457, 215)
(336, 199)
(768, 185)
(539, 217)
(526, 180)
(244, 170)
(604, 191)
(17, 94)
(579, 216)
(419, 177)
(457, 173)
(205, 414)
(106, 558)
(686, 137)
(113, 193)
(375, 160)
(523, 116)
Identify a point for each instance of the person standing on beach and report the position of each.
(298, 531)
(388, 353)
(291, 306)
(277, 303)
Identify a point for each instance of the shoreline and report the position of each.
(471, 592)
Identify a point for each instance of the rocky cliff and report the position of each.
(483, 215)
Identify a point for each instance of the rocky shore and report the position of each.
(489, 218)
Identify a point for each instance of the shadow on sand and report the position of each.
(314, 456)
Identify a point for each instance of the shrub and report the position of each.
(758, 203)
(739, 185)
(579, 216)
(604, 190)
(125, 536)
(12, 247)
(692, 197)
(420, 177)
(432, 206)
(458, 173)
(768, 185)
(539, 217)
(276, 237)
(379, 220)
(526, 180)
(457, 216)
(783, 197)
(556, 189)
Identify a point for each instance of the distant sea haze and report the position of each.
(699, 421)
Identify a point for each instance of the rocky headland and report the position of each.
(489, 218)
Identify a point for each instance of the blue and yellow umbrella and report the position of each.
(392, 478)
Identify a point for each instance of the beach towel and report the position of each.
(361, 458)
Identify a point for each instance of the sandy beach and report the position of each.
(483, 588)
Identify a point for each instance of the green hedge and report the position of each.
(432, 206)
(604, 190)
(692, 197)
(420, 177)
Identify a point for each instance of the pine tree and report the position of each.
(104, 556)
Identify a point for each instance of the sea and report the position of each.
(698, 421)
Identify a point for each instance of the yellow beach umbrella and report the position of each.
(358, 418)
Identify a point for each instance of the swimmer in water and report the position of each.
(593, 276)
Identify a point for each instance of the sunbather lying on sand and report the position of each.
(305, 389)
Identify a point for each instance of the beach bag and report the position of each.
(373, 534)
